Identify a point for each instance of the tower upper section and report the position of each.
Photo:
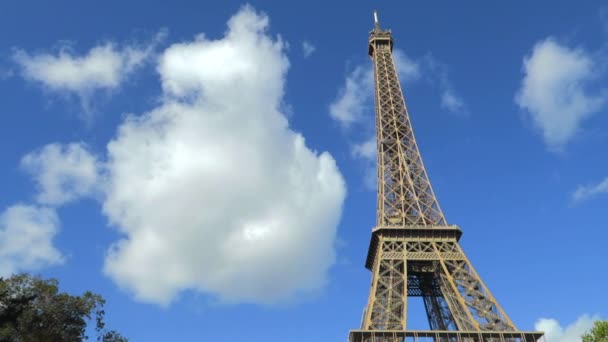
(405, 195)
(379, 37)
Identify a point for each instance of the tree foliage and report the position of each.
(599, 332)
(32, 309)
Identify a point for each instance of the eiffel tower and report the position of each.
(413, 251)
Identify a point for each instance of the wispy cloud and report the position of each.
(6, 73)
(356, 96)
(452, 102)
(584, 192)
(367, 152)
(603, 15)
(354, 105)
(437, 72)
(366, 149)
(308, 48)
(103, 67)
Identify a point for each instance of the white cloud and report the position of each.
(26, 234)
(554, 332)
(212, 190)
(307, 48)
(584, 192)
(408, 69)
(451, 102)
(437, 72)
(104, 67)
(63, 172)
(211, 194)
(367, 151)
(354, 105)
(355, 102)
(356, 96)
(554, 90)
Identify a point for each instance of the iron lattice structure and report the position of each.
(413, 251)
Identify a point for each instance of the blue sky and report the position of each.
(208, 168)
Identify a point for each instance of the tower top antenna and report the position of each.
(376, 22)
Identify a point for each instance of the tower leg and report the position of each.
(388, 299)
(454, 296)
(472, 304)
(437, 310)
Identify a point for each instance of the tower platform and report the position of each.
(443, 336)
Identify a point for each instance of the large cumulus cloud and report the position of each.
(212, 189)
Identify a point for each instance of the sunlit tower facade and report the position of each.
(413, 251)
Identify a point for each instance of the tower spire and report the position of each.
(376, 22)
(413, 252)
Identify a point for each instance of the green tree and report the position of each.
(599, 332)
(33, 310)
